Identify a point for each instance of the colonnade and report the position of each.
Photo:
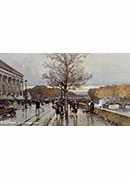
(11, 85)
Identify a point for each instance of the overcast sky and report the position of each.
(105, 68)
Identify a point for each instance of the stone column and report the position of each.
(13, 87)
(7, 85)
(21, 87)
(18, 87)
(1, 84)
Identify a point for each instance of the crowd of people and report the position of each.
(73, 109)
(58, 105)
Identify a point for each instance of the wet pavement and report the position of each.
(25, 117)
(82, 119)
(47, 117)
(87, 119)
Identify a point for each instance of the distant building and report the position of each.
(11, 81)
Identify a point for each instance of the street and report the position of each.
(28, 117)
(82, 119)
(47, 117)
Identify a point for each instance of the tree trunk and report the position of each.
(66, 108)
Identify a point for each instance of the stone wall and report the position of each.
(114, 117)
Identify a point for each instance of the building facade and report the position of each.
(11, 81)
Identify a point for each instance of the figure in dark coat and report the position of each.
(92, 107)
(37, 103)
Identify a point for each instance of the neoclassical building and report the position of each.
(11, 81)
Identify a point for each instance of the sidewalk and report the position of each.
(21, 116)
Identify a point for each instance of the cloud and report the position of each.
(109, 68)
(106, 68)
(31, 65)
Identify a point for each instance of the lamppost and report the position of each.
(26, 94)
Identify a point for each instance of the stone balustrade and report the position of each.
(114, 117)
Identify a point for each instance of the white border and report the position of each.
(64, 153)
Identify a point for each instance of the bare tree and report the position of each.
(66, 71)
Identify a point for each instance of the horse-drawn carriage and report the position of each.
(6, 110)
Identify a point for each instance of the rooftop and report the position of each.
(6, 67)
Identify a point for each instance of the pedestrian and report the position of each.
(61, 110)
(37, 103)
(30, 105)
(53, 101)
(75, 107)
(71, 105)
(42, 104)
(91, 108)
(22, 104)
(74, 112)
(57, 110)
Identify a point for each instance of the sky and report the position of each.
(107, 69)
